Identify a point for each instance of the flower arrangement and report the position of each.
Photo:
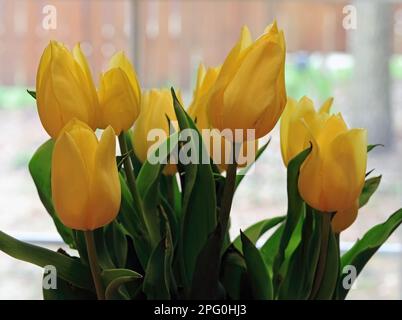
(152, 222)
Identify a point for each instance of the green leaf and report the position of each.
(242, 173)
(366, 247)
(234, 276)
(299, 277)
(331, 273)
(199, 198)
(370, 186)
(102, 252)
(296, 209)
(32, 93)
(64, 290)
(372, 146)
(120, 159)
(68, 268)
(159, 281)
(134, 160)
(67, 291)
(270, 248)
(81, 246)
(113, 291)
(113, 280)
(148, 183)
(255, 231)
(205, 282)
(132, 222)
(116, 243)
(261, 282)
(40, 170)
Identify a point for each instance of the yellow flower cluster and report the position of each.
(246, 92)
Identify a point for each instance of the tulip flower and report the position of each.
(64, 89)
(294, 132)
(156, 109)
(217, 145)
(249, 92)
(118, 103)
(119, 95)
(85, 183)
(332, 177)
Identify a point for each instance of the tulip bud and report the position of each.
(218, 147)
(85, 183)
(293, 130)
(332, 177)
(250, 90)
(64, 89)
(119, 95)
(156, 111)
(118, 104)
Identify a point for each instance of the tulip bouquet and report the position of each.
(151, 221)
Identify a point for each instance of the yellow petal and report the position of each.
(343, 219)
(156, 109)
(198, 108)
(82, 61)
(326, 106)
(253, 87)
(43, 65)
(332, 127)
(228, 69)
(70, 183)
(105, 193)
(272, 28)
(294, 131)
(310, 179)
(62, 94)
(118, 104)
(345, 168)
(119, 60)
(285, 124)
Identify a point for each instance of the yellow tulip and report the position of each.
(293, 132)
(119, 60)
(332, 177)
(64, 89)
(249, 92)
(216, 143)
(119, 95)
(85, 183)
(118, 103)
(156, 109)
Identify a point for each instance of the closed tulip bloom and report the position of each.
(85, 183)
(332, 177)
(119, 60)
(249, 92)
(214, 141)
(64, 89)
(294, 133)
(118, 103)
(156, 109)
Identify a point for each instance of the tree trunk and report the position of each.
(370, 45)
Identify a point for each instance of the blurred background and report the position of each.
(351, 50)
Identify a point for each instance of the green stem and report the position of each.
(228, 192)
(93, 263)
(170, 190)
(319, 274)
(128, 169)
